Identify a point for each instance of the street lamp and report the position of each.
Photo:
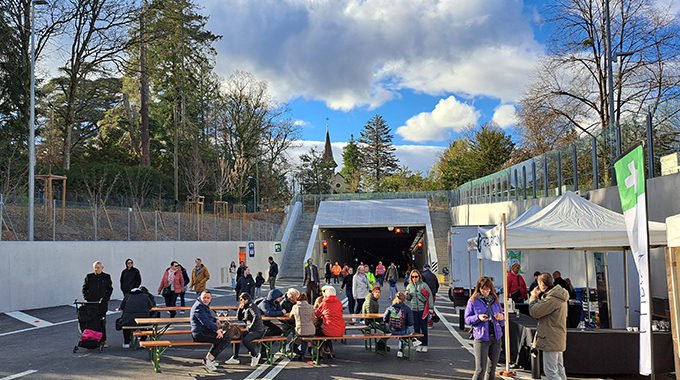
(31, 125)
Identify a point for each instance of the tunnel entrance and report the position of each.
(402, 245)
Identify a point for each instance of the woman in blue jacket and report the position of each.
(484, 314)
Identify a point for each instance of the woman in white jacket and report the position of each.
(360, 287)
(232, 274)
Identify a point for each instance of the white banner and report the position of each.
(489, 243)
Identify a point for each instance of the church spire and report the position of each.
(327, 151)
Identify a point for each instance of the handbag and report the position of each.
(119, 323)
(233, 332)
(166, 291)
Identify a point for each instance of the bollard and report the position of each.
(535, 364)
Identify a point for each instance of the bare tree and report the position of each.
(571, 85)
(194, 172)
(238, 178)
(98, 30)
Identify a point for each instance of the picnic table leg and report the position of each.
(268, 349)
(317, 350)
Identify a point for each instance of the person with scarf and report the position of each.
(420, 296)
(174, 283)
(199, 277)
(484, 314)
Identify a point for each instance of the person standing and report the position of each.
(517, 288)
(246, 283)
(380, 273)
(420, 296)
(205, 328)
(534, 284)
(199, 277)
(239, 273)
(559, 281)
(336, 272)
(347, 285)
(186, 278)
(328, 272)
(130, 277)
(392, 278)
(360, 288)
(484, 314)
(344, 271)
(548, 304)
(172, 284)
(232, 274)
(259, 281)
(273, 273)
(369, 276)
(431, 281)
(135, 304)
(311, 280)
(98, 287)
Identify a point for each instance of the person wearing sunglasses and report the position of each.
(420, 296)
(172, 284)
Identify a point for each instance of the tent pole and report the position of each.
(505, 294)
(585, 258)
(625, 287)
(481, 267)
(606, 279)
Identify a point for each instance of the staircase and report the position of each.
(292, 263)
(441, 225)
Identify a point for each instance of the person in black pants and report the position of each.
(130, 277)
(347, 285)
(98, 287)
(205, 328)
(186, 278)
(136, 304)
(252, 316)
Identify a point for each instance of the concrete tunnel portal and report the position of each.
(402, 245)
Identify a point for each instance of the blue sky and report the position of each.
(431, 68)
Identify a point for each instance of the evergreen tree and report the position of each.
(377, 152)
(314, 173)
(351, 170)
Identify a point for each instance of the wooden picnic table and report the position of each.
(178, 308)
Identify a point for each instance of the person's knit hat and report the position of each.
(375, 287)
(328, 291)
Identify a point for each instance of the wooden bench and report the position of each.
(317, 341)
(158, 347)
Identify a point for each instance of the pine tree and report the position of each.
(351, 165)
(377, 152)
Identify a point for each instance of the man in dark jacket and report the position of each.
(273, 272)
(251, 315)
(98, 287)
(559, 281)
(271, 307)
(311, 281)
(129, 277)
(431, 280)
(247, 283)
(136, 304)
(206, 328)
(239, 274)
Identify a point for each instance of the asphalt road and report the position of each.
(42, 348)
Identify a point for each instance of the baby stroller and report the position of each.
(89, 326)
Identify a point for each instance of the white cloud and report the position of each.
(300, 123)
(415, 157)
(448, 115)
(505, 116)
(361, 53)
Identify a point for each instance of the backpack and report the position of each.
(397, 319)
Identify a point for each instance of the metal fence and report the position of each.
(583, 165)
(84, 221)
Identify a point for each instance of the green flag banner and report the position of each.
(630, 177)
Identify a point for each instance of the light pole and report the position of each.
(31, 125)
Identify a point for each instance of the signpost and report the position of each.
(251, 249)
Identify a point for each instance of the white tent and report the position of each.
(571, 222)
(480, 244)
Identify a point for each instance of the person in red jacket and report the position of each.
(517, 288)
(330, 313)
(174, 283)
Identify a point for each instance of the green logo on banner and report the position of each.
(630, 177)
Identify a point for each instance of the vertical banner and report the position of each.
(630, 177)
(514, 257)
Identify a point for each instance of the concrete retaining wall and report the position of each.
(44, 274)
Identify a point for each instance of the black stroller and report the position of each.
(90, 326)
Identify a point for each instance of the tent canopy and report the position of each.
(571, 222)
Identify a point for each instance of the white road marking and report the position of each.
(272, 374)
(18, 375)
(53, 324)
(464, 343)
(258, 371)
(31, 320)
